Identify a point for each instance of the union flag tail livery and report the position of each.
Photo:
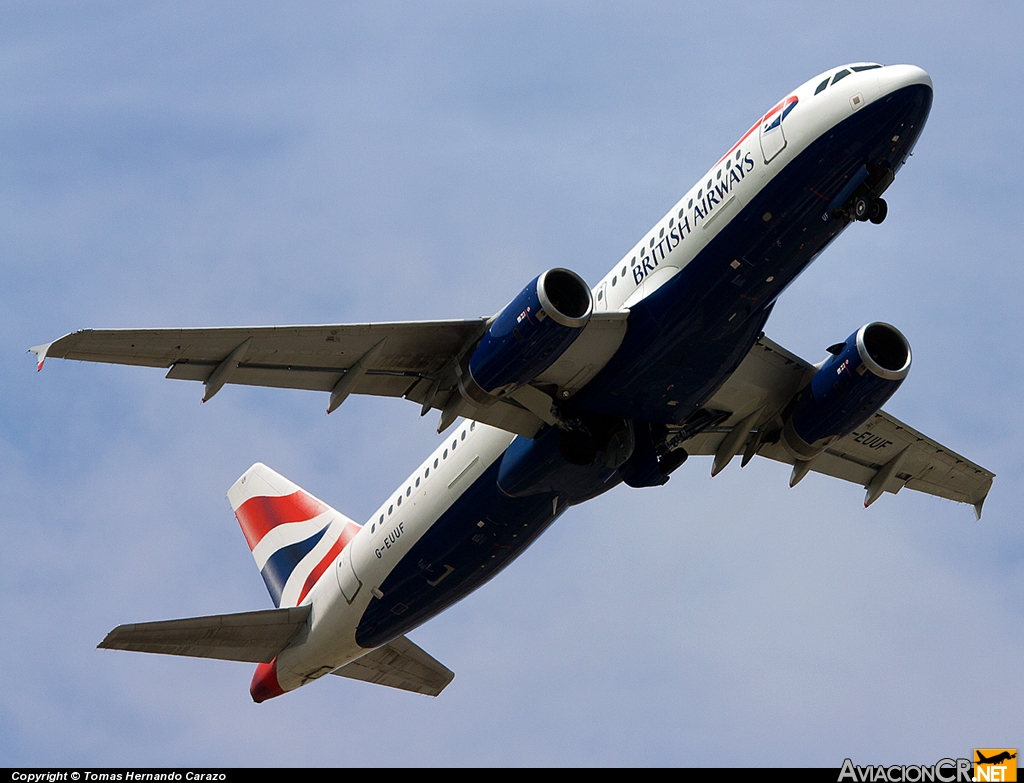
(293, 536)
(569, 391)
(297, 541)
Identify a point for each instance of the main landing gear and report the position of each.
(869, 208)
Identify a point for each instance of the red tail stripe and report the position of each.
(346, 535)
(259, 515)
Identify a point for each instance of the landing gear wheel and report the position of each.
(879, 209)
(861, 208)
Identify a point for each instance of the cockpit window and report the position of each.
(844, 73)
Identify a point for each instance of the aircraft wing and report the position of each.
(882, 455)
(415, 360)
(400, 664)
(254, 637)
(290, 357)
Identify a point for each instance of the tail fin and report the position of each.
(293, 536)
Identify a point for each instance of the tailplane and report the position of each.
(293, 536)
(256, 637)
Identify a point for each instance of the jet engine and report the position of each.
(527, 336)
(848, 388)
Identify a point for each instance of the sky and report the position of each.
(196, 164)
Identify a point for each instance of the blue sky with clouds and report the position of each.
(239, 163)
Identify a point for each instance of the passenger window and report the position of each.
(390, 509)
(445, 455)
(399, 500)
(417, 481)
(463, 437)
(841, 75)
(435, 463)
(821, 87)
(472, 426)
(408, 491)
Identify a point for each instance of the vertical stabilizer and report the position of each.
(293, 536)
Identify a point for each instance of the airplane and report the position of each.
(567, 392)
(999, 758)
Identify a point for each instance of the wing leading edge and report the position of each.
(882, 455)
(417, 360)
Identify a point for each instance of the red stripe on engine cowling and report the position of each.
(259, 515)
(343, 540)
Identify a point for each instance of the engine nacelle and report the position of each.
(528, 335)
(849, 388)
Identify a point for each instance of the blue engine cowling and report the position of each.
(528, 335)
(849, 388)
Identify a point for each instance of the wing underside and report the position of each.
(882, 455)
(416, 360)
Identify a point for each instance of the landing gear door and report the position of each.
(348, 582)
(773, 140)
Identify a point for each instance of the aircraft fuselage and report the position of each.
(699, 287)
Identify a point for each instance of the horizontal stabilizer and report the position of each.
(400, 664)
(254, 637)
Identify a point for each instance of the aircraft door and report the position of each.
(773, 139)
(348, 582)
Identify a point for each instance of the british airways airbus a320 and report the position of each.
(567, 392)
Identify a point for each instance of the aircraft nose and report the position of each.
(896, 77)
